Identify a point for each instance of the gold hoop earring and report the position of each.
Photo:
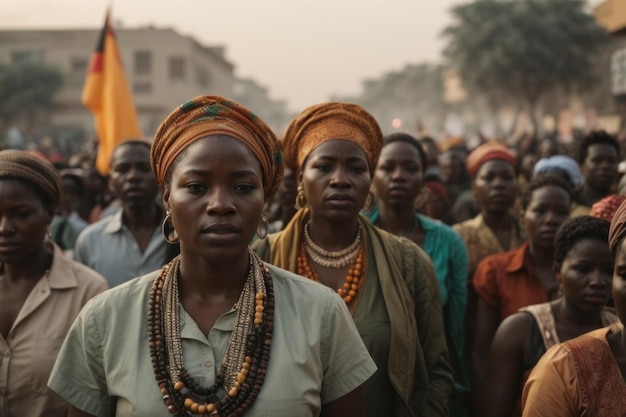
(264, 228)
(167, 228)
(300, 198)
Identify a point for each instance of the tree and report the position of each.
(520, 51)
(27, 90)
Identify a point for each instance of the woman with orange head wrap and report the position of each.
(217, 328)
(387, 282)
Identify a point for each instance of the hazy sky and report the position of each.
(302, 50)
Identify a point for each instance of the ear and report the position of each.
(299, 176)
(166, 198)
(50, 212)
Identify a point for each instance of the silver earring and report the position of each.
(167, 228)
(264, 228)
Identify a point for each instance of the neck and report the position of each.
(594, 194)
(395, 220)
(206, 278)
(540, 257)
(497, 221)
(333, 236)
(583, 319)
(32, 268)
(142, 217)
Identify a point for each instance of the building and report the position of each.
(163, 69)
(257, 98)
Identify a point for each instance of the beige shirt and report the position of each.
(29, 352)
(316, 356)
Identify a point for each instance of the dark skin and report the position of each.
(617, 339)
(548, 208)
(600, 171)
(209, 182)
(133, 182)
(23, 222)
(588, 262)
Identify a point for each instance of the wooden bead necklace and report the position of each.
(353, 282)
(244, 366)
(330, 259)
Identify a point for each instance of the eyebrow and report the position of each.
(206, 173)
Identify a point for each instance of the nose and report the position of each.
(339, 178)
(134, 174)
(599, 279)
(6, 226)
(220, 202)
(398, 174)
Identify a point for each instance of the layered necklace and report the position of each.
(352, 256)
(244, 366)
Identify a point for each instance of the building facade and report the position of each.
(163, 69)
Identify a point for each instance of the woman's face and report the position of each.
(215, 197)
(585, 274)
(495, 186)
(398, 177)
(336, 180)
(619, 281)
(24, 221)
(547, 210)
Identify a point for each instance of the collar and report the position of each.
(115, 223)
(519, 260)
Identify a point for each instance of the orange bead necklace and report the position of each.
(353, 282)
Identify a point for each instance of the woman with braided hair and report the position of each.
(216, 331)
(41, 289)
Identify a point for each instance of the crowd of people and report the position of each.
(220, 270)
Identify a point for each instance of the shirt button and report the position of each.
(208, 364)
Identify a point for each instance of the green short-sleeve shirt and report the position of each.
(317, 356)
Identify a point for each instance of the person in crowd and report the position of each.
(67, 223)
(437, 202)
(583, 267)
(41, 289)
(508, 281)
(584, 376)
(548, 148)
(286, 199)
(454, 173)
(606, 208)
(388, 282)
(492, 168)
(568, 169)
(222, 332)
(129, 243)
(398, 179)
(598, 156)
(432, 154)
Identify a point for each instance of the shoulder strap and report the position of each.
(542, 313)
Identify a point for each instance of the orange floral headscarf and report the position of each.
(214, 115)
(488, 152)
(327, 121)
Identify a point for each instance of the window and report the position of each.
(78, 65)
(142, 87)
(202, 76)
(177, 70)
(27, 55)
(143, 62)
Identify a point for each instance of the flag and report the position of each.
(107, 96)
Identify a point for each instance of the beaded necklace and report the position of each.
(243, 369)
(329, 259)
(353, 282)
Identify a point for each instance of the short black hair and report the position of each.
(545, 180)
(575, 230)
(406, 138)
(594, 138)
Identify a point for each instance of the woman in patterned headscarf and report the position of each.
(41, 289)
(387, 282)
(250, 339)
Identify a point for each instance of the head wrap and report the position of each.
(327, 121)
(488, 152)
(618, 226)
(439, 190)
(560, 164)
(606, 207)
(214, 115)
(21, 165)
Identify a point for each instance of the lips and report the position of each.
(132, 192)
(597, 297)
(221, 228)
(397, 191)
(340, 197)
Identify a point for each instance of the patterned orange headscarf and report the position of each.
(488, 152)
(327, 121)
(214, 115)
